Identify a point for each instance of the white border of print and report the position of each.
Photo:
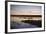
(27, 29)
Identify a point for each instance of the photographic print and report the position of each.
(25, 16)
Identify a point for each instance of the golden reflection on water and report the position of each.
(25, 18)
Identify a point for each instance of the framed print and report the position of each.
(22, 16)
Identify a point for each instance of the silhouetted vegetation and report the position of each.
(34, 22)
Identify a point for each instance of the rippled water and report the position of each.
(18, 25)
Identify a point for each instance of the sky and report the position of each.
(25, 10)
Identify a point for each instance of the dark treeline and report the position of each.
(26, 15)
